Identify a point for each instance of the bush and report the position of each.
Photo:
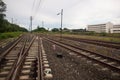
(103, 34)
(3, 36)
(9, 35)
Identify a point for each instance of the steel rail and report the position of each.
(95, 42)
(9, 49)
(40, 69)
(14, 66)
(101, 43)
(76, 50)
(20, 62)
(108, 57)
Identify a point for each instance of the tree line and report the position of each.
(6, 26)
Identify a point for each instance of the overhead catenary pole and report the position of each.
(16, 21)
(30, 24)
(12, 20)
(61, 22)
(42, 23)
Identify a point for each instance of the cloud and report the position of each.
(77, 13)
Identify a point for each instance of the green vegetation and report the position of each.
(7, 29)
(91, 37)
(85, 33)
(40, 29)
(55, 30)
(59, 30)
(10, 35)
(117, 35)
(6, 26)
(82, 33)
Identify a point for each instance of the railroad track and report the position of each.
(10, 57)
(6, 51)
(99, 43)
(110, 63)
(6, 44)
(25, 60)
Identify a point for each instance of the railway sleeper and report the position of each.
(29, 70)
(26, 77)
(30, 62)
(11, 58)
(7, 63)
(28, 74)
(30, 57)
(3, 61)
(4, 73)
(2, 78)
(11, 55)
(6, 66)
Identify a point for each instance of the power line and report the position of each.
(33, 15)
(37, 8)
(33, 7)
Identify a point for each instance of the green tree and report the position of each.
(66, 30)
(2, 15)
(6, 26)
(55, 30)
(2, 9)
(40, 29)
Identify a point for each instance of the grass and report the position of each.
(110, 39)
(117, 35)
(9, 35)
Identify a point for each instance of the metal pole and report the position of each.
(61, 21)
(42, 23)
(30, 23)
(12, 20)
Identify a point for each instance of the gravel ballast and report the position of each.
(74, 67)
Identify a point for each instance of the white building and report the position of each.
(115, 29)
(107, 28)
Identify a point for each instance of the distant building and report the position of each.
(115, 29)
(106, 27)
(99, 28)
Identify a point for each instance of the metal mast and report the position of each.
(30, 23)
(61, 22)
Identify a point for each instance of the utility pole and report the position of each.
(30, 24)
(12, 20)
(61, 21)
(42, 23)
(48, 30)
(61, 13)
(16, 21)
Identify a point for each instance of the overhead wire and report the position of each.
(35, 8)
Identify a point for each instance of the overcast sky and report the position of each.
(76, 13)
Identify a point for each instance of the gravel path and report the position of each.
(73, 67)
